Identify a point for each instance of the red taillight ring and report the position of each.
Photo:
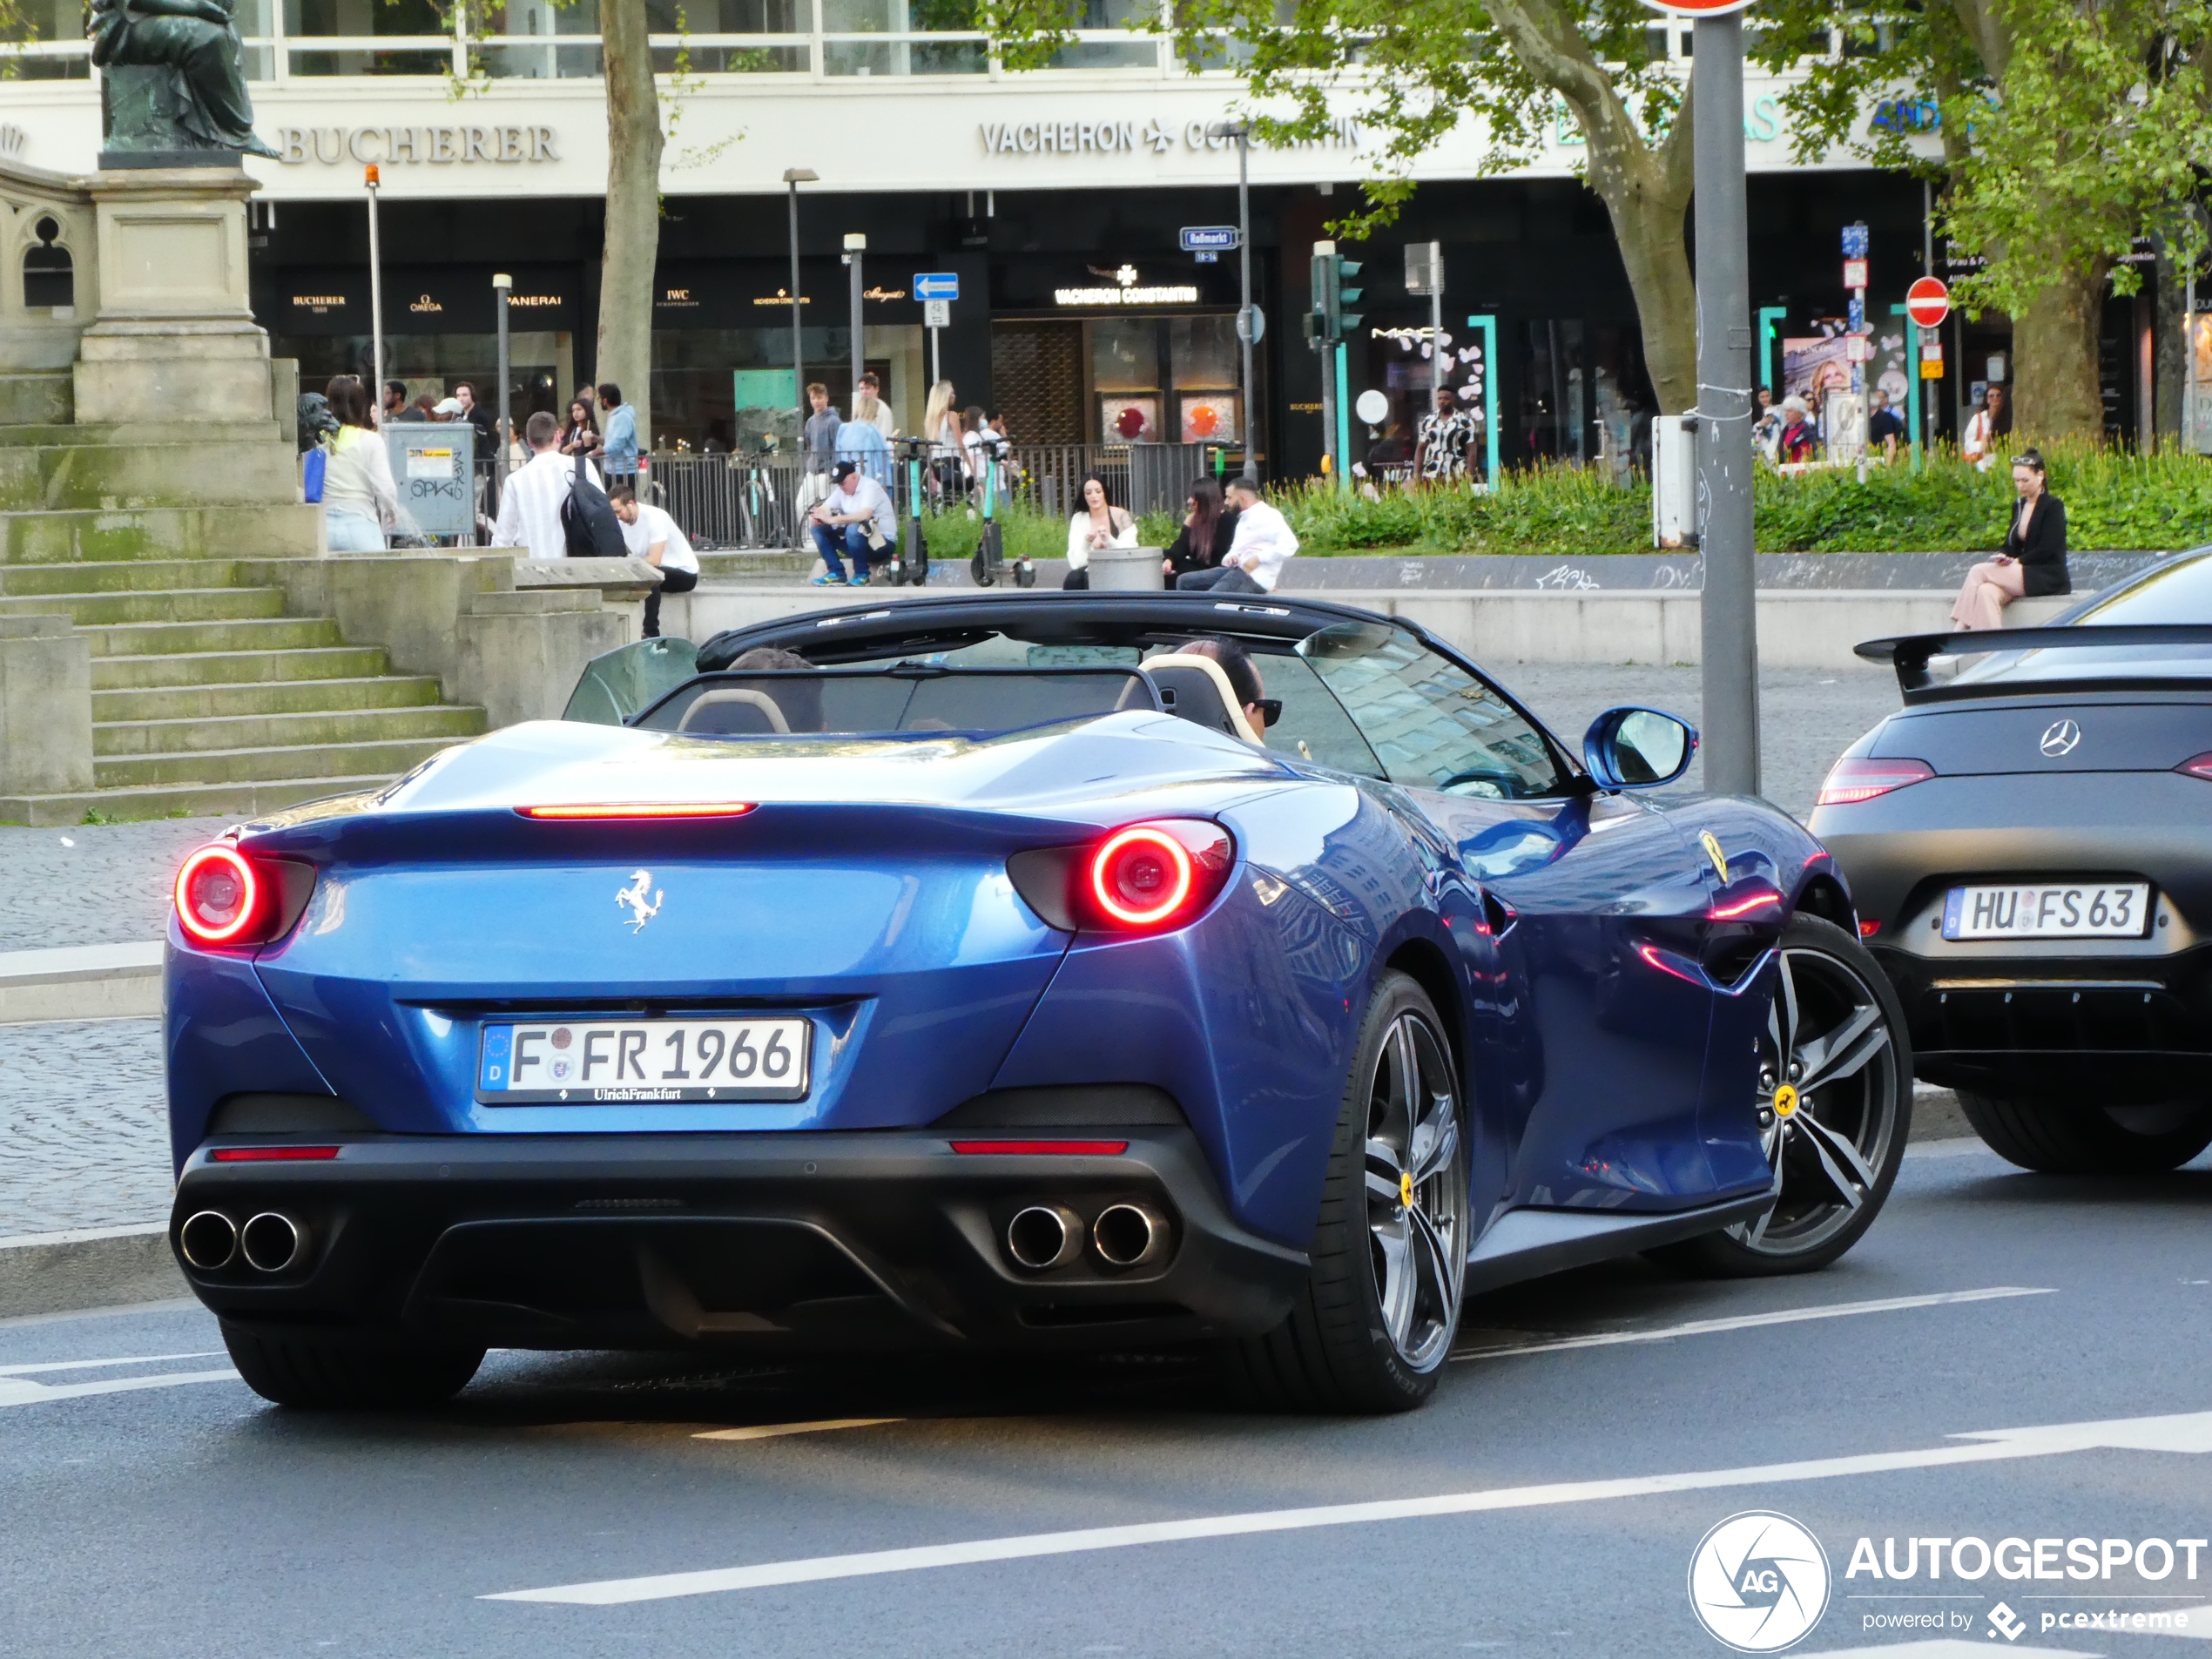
(250, 902)
(1103, 862)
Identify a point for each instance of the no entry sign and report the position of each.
(1927, 302)
(1696, 8)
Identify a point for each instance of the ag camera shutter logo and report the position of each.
(1758, 1581)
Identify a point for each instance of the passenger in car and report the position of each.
(1245, 681)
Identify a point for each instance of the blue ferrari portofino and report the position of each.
(1070, 970)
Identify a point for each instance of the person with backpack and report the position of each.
(530, 509)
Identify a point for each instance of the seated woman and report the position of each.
(2033, 562)
(1208, 528)
(1099, 525)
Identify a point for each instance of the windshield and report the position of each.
(1428, 721)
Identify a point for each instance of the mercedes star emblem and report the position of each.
(2061, 738)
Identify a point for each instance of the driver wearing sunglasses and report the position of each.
(1260, 710)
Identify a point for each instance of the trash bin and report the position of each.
(1127, 569)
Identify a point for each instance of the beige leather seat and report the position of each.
(739, 714)
(1195, 689)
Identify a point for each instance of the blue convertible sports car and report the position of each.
(1107, 970)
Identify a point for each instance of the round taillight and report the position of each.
(1141, 876)
(220, 896)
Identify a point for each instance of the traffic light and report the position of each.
(1330, 269)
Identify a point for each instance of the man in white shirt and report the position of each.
(652, 536)
(1254, 563)
(859, 515)
(529, 508)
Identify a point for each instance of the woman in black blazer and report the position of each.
(2033, 562)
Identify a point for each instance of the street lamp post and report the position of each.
(856, 246)
(794, 177)
(1729, 607)
(1246, 323)
(375, 300)
(502, 284)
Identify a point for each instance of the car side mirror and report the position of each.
(1632, 748)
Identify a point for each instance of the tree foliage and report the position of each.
(2069, 128)
(1411, 71)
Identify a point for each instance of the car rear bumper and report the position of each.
(2123, 1030)
(772, 1241)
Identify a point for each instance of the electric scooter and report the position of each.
(910, 564)
(990, 551)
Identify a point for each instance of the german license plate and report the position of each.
(587, 1062)
(2049, 910)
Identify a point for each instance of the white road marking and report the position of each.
(774, 1431)
(13, 1391)
(2188, 1432)
(1749, 1321)
(101, 1364)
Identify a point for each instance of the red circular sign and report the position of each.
(1927, 302)
(1696, 8)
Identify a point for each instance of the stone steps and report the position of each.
(262, 734)
(80, 578)
(90, 611)
(48, 476)
(35, 398)
(177, 638)
(234, 699)
(263, 667)
(382, 759)
(107, 535)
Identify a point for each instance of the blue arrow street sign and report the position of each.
(937, 285)
(1210, 239)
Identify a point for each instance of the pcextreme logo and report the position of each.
(1758, 1581)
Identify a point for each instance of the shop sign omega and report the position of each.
(1126, 137)
(437, 146)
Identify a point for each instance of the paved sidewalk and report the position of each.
(93, 884)
(83, 1117)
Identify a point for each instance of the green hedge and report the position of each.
(2114, 500)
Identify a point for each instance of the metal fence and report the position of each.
(725, 502)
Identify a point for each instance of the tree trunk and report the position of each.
(625, 354)
(1649, 231)
(2055, 348)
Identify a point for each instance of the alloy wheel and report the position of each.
(1417, 1191)
(1826, 1101)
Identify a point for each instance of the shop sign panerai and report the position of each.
(437, 146)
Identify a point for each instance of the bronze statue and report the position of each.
(174, 77)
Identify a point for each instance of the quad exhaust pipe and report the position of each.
(1129, 1235)
(1045, 1236)
(270, 1243)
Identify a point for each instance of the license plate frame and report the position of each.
(660, 1061)
(1972, 910)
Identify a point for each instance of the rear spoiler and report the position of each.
(1910, 653)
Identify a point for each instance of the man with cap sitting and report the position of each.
(858, 513)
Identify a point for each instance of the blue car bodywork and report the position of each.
(1602, 973)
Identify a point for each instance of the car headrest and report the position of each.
(734, 714)
(1195, 689)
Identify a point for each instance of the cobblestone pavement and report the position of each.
(95, 884)
(81, 1118)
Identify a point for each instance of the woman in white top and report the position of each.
(359, 498)
(1101, 524)
(948, 455)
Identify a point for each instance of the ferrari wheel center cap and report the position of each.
(1785, 1099)
(1406, 1187)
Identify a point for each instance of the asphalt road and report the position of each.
(186, 1518)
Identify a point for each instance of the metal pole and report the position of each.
(2188, 365)
(936, 357)
(1729, 609)
(1244, 286)
(502, 284)
(376, 302)
(855, 246)
(1435, 324)
(1928, 391)
(793, 177)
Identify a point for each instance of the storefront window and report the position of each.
(1119, 49)
(516, 40)
(1204, 359)
(53, 24)
(420, 23)
(1552, 420)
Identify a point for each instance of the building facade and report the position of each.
(1056, 196)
